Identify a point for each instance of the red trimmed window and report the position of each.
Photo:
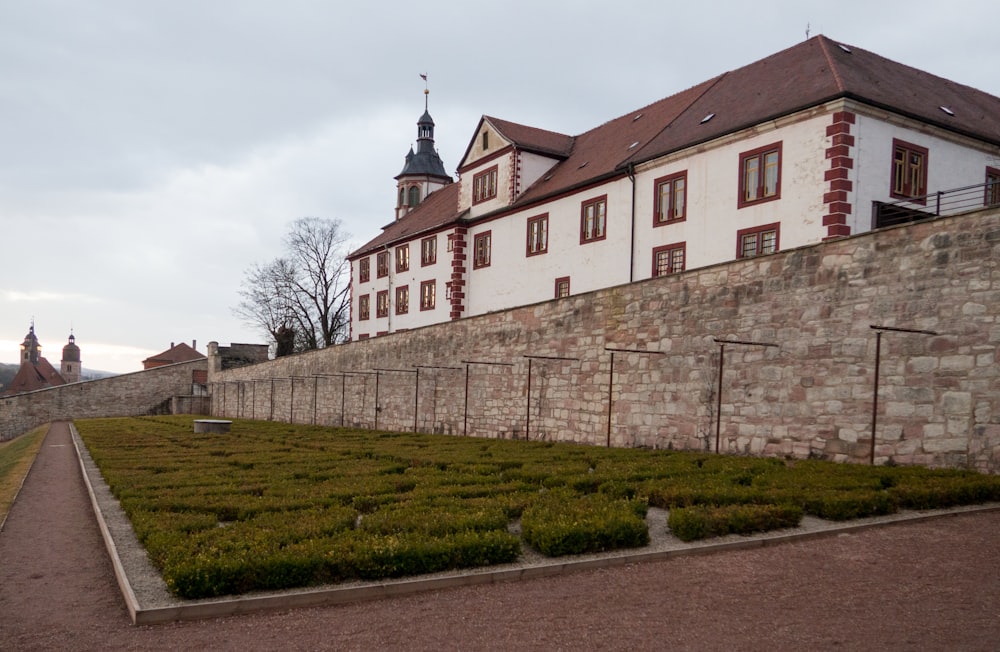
(669, 259)
(671, 199)
(402, 258)
(484, 185)
(482, 244)
(992, 197)
(593, 219)
(758, 241)
(562, 287)
(538, 235)
(428, 295)
(364, 270)
(382, 303)
(402, 299)
(909, 171)
(760, 175)
(428, 251)
(364, 306)
(382, 264)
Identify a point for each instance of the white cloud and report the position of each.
(15, 296)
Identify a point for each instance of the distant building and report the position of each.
(221, 358)
(819, 141)
(38, 373)
(176, 353)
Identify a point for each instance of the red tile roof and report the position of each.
(436, 211)
(601, 151)
(817, 71)
(31, 377)
(529, 139)
(177, 353)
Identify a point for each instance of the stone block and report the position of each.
(945, 445)
(957, 362)
(922, 365)
(956, 403)
(899, 409)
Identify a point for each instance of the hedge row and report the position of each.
(560, 523)
(704, 521)
(272, 505)
(353, 555)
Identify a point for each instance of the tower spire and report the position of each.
(423, 172)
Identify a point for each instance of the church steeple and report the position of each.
(30, 348)
(423, 172)
(70, 367)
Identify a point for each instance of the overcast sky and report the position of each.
(151, 151)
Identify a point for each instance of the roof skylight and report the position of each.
(583, 165)
(947, 110)
(634, 145)
(707, 118)
(844, 48)
(637, 116)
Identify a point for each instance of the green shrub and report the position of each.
(850, 504)
(561, 523)
(701, 522)
(939, 493)
(381, 557)
(274, 505)
(434, 520)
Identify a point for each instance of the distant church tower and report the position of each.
(423, 172)
(31, 350)
(36, 372)
(70, 367)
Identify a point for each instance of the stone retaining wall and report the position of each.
(142, 392)
(811, 395)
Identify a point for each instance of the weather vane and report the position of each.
(427, 91)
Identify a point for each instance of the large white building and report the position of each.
(804, 145)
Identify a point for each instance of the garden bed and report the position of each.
(280, 506)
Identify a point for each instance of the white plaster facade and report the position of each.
(836, 159)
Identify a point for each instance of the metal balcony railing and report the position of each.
(944, 202)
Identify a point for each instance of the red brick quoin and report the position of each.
(838, 176)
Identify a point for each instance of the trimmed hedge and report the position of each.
(274, 506)
(560, 523)
(701, 522)
(354, 555)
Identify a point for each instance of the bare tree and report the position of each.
(301, 299)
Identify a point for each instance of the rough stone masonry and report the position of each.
(811, 395)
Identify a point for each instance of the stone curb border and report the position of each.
(198, 610)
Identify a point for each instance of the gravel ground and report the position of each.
(931, 584)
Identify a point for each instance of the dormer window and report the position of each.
(484, 185)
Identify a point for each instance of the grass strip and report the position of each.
(16, 458)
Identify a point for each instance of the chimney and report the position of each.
(194, 344)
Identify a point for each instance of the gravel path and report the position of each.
(932, 585)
